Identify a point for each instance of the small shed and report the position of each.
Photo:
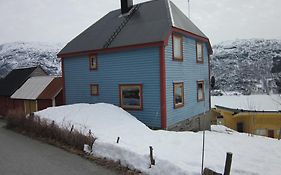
(39, 93)
(8, 85)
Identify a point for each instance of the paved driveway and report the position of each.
(20, 155)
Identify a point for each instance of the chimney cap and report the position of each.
(126, 6)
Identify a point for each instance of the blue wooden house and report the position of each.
(148, 58)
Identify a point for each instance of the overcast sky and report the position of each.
(61, 20)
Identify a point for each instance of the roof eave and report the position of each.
(197, 37)
(112, 49)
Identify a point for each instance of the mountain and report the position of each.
(239, 67)
(245, 66)
(26, 54)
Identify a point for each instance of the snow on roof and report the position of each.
(248, 102)
(32, 88)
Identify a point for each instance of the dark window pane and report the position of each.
(131, 96)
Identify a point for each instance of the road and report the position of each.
(22, 155)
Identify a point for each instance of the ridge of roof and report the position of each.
(168, 2)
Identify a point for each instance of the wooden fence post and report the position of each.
(228, 163)
(152, 161)
(279, 137)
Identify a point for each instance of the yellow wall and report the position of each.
(251, 121)
(30, 106)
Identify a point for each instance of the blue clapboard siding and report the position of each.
(188, 72)
(127, 67)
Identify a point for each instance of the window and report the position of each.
(200, 91)
(94, 89)
(93, 62)
(199, 52)
(178, 95)
(279, 133)
(220, 120)
(261, 132)
(177, 48)
(240, 127)
(131, 96)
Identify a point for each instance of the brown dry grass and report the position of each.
(37, 127)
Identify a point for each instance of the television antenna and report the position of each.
(188, 1)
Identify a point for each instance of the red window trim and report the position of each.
(90, 62)
(141, 97)
(201, 82)
(202, 50)
(181, 40)
(91, 85)
(176, 106)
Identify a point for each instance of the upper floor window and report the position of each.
(177, 47)
(93, 61)
(94, 89)
(199, 52)
(178, 95)
(200, 91)
(131, 96)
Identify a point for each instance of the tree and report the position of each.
(276, 70)
(213, 82)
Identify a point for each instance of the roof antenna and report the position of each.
(188, 9)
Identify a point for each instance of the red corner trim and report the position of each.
(63, 80)
(163, 88)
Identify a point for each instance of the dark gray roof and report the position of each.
(14, 80)
(151, 22)
(183, 22)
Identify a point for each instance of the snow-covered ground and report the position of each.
(248, 102)
(176, 153)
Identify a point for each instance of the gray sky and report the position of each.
(62, 20)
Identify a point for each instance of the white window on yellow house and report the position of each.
(261, 132)
(220, 120)
(279, 133)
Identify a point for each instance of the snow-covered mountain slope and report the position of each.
(26, 54)
(245, 66)
(242, 66)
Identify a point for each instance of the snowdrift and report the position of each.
(176, 153)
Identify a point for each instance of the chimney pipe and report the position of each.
(126, 6)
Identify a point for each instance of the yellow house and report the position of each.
(265, 123)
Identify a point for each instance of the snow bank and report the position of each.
(176, 153)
